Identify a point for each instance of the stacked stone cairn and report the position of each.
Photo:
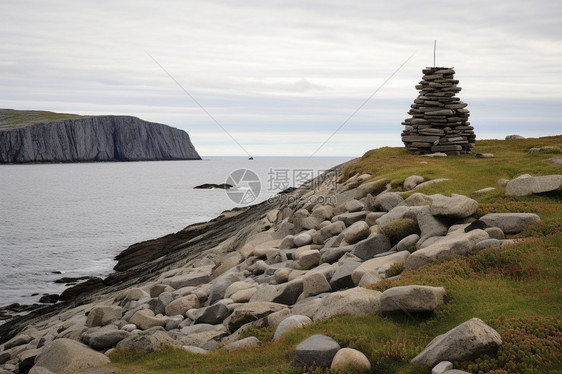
(439, 121)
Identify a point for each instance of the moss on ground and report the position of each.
(11, 119)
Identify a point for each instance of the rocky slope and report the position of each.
(97, 138)
(307, 255)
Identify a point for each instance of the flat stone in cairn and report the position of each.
(439, 121)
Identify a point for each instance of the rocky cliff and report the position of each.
(97, 138)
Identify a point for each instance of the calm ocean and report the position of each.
(74, 218)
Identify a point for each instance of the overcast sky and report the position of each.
(282, 76)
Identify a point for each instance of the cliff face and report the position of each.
(99, 138)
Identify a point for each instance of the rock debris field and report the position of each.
(301, 261)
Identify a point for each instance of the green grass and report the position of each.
(11, 119)
(515, 289)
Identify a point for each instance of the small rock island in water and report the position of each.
(36, 136)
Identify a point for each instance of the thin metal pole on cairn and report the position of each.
(434, 48)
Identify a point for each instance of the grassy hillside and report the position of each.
(517, 290)
(11, 119)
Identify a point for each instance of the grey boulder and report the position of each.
(290, 323)
(510, 223)
(317, 350)
(466, 341)
(412, 299)
(527, 185)
(69, 356)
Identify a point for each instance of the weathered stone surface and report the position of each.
(97, 138)
(315, 284)
(369, 248)
(375, 270)
(352, 206)
(372, 188)
(351, 359)
(181, 305)
(69, 356)
(103, 315)
(442, 367)
(510, 223)
(103, 340)
(456, 206)
(290, 323)
(407, 243)
(135, 294)
(342, 276)
(181, 281)
(356, 232)
(387, 201)
(213, 314)
(456, 243)
(324, 233)
(350, 218)
(433, 181)
(412, 299)
(527, 185)
(309, 258)
(251, 312)
(17, 341)
(466, 341)
(356, 301)
(302, 239)
(412, 181)
(250, 341)
(154, 342)
(157, 289)
(145, 319)
(288, 293)
(317, 350)
(429, 225)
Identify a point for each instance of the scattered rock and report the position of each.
(69, 356)
(250, 341)
(154, 342)
(527, 185)
(513, 137)
(372, 188)
(456, 243)
(290, 323)
(442, 367)
(510, 223)
(374, 270)
(371, 247)
(145, 319)
(252, 312)
(356, 232)
(412, 181)
(466, 341)
(342, 276)
(102, 340)
(430, 182)
(456, 206)
(317, 350)
(349, 358)
(484, 155)
(356, 301)
(412, 299)
(103, 315)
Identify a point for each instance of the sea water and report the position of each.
(71, 220)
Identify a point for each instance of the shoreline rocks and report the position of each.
(274, 265)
